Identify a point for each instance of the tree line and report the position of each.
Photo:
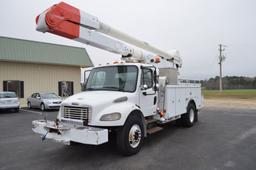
(230, 82)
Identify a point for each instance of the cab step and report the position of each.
(154, 130)
(149, 121)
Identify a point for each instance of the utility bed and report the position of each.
(174, 98)
(178, 97)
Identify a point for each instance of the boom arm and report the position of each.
(67, 21)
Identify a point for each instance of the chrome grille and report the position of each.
(56, 102)
(78, 113)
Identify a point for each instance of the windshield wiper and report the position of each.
(105, 88)
(88, 89)
(113, 87)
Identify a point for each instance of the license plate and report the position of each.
(6, 101)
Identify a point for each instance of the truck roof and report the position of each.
(121, 64)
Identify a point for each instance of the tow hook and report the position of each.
(44, 136)
(52, 130)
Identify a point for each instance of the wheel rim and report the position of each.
(191, 115)
(135, 136)
(42, 107)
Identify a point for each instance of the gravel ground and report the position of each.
(231, 103)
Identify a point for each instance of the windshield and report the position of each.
(8, 95)
(49, 96)
(114, 78)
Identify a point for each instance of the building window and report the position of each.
(66, 88)
(16, 86)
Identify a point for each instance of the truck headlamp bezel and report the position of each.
(111, 116)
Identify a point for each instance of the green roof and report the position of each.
(18, 50)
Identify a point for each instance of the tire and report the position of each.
(133, 127)
(29, 105)
(42, 107)
(15, 110)
(188, 119)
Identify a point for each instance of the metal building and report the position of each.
(29, 66)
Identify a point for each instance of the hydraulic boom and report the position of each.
(67, 21)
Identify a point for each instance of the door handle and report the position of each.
(155, 99)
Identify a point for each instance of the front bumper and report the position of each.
(10, 106)
(64, 134)
(52, 106)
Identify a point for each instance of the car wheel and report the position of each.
(29, 105)
(42, 107)
(130, 136)
(17, 109)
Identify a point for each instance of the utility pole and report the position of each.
(221, 59)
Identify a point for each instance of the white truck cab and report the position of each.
(114, 91)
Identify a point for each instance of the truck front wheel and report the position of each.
(130, 136)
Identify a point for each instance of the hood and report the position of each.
(53, 100)
(93, 98)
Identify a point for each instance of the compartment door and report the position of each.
(170, 99)
(180, 100)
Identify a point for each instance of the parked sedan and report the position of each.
(9, 100)
(44, 101)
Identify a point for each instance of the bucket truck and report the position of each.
(131, 99)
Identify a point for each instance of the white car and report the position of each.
(44, 101)
(9, 100)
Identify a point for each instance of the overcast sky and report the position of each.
(194, 27)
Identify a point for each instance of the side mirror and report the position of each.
(83, 86)
(156, 88)
(144, 87)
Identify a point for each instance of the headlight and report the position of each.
(48, 102)
(111, 117)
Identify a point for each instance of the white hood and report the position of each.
(93, 98)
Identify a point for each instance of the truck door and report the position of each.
(148, 96)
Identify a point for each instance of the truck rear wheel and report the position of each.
(189, 118)
(130, 136)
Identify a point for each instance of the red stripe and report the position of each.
(37, 18)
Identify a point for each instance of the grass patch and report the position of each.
(237, 94)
